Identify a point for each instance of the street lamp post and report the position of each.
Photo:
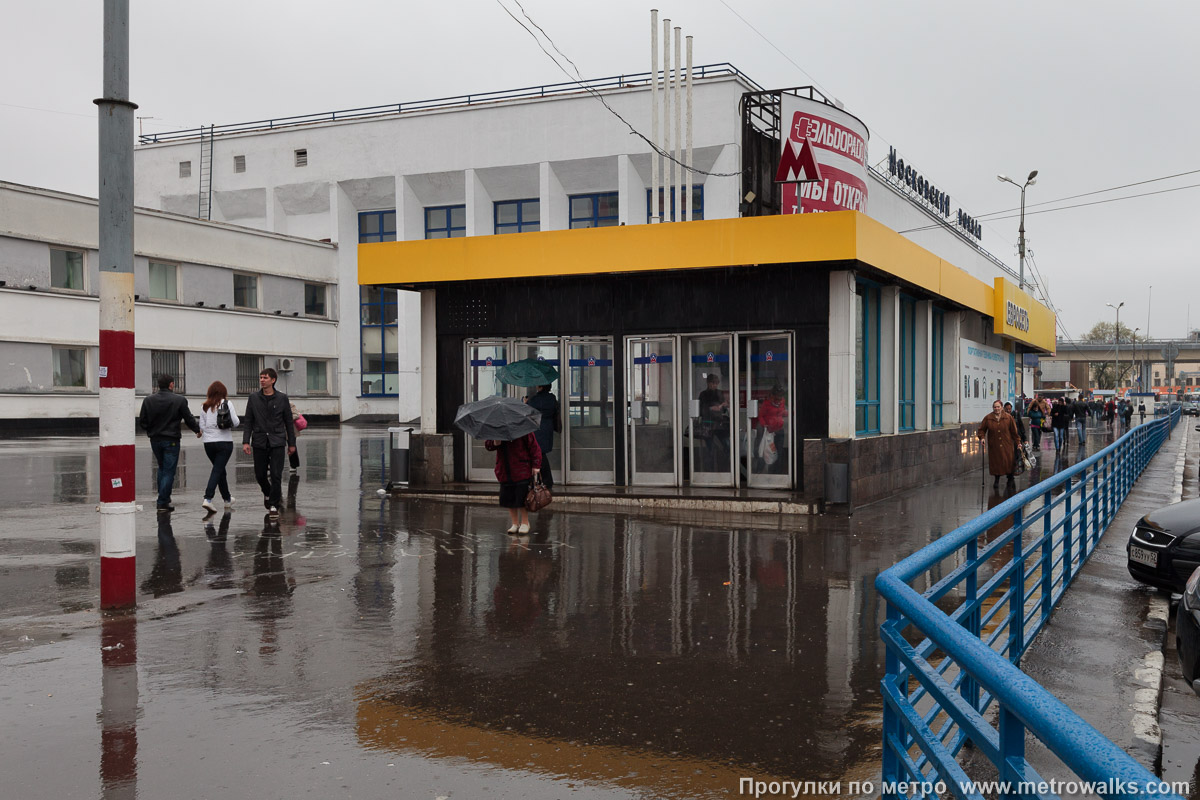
(1117, 338)
(1030, 181)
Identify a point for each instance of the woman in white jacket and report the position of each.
(218, 442)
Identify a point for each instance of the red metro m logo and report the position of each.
(797, 163)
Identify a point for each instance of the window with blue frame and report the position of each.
(518, 216)
(445, 222)
(668, 199)
(866, 358)
(908, 364)
(937, 368)
(594, 210)
(379, 364)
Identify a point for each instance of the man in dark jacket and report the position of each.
(546, 403)
(160, 416)
(1081, 416)
(268, 426)
(1060, 421)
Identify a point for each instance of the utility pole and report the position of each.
(117, 412)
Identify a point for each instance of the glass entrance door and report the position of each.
(766, 385)
(708, 378)
(590, 412)
(484, 360)
(652, 411)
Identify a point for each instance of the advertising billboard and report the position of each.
(839, 143)
(988, 374)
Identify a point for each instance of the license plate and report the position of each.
(1143, 556)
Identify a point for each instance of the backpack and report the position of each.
(224, 418)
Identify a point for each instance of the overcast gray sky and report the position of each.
(1092, 94)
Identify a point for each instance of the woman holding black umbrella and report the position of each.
(517, 462)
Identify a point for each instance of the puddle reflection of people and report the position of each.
(271, 585)
(269, 577)
(523, 571)
(218, 572)
(166, 576)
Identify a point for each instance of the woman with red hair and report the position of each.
(217, 421)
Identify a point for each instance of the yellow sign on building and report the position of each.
(1018, 316)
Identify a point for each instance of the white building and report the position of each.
(214, 302)
(546, 161)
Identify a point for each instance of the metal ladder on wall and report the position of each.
(206, 165)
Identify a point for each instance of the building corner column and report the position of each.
(842, 317)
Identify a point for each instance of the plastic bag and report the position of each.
(767, 450)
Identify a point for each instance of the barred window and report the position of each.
(167, 362)
(248, 368)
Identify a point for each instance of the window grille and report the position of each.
(168, 362)
(248, 368)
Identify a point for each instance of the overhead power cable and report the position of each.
(1076, 205)
(1089, 194)
(590, 90)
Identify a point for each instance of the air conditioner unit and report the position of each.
(286, 364)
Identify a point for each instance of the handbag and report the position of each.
(1020, 461)
(539, 496)
(300, 422)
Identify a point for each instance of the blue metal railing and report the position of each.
(946, 668)
(598, 84)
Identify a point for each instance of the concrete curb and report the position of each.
(608, 504)
(1148, 700)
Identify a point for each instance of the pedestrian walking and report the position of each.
(267, 432)
(545, 402)
(217, 421)
(1081, 415)
(1037, 417)
(1127, 413)
(1142, 412)
(299, 423)
(999, 430)
(1110, 413)
(1008, 409)
(1060, 420)
(517, 462)
(160, 416)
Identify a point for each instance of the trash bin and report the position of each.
(837, 483)
(399, 439)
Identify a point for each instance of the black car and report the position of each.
(1164, 549)
(1187, 632)
(1192, 408)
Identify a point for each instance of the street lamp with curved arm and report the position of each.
(1117, 338)
(1032, 179)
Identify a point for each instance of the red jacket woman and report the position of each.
(516, 463)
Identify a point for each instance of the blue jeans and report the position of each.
(219, 454)
(1060, 437)
(166, 453)
(1081, 429)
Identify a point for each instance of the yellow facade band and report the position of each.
(799, 239)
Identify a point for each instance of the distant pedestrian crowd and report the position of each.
(1004, 429)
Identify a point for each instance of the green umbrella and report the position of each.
(528, 372)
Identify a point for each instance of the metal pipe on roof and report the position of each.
(668, 169)
(689, 192)
(654, 115)
(677, 182)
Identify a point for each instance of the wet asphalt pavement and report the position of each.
(363, 646)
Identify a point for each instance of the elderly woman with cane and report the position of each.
(999, 430)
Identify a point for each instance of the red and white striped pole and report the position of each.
(117, 403)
